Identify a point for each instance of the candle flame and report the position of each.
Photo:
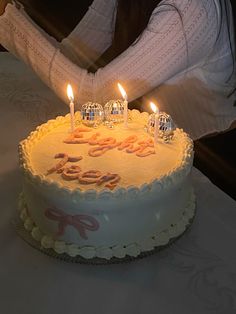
(70, 92)
(154, 107)
(123, 93)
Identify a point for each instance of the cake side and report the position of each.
(133, 249)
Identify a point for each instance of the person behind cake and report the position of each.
(180, 52)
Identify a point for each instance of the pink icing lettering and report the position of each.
(98, 150)
(112, 177)
(107, 141)
(71, 173)
(127, 142)
(77, 137)
(93, 139)
(89, 177)
(143, 148)
(60, 164)
(132, 149)
(145, 151)
(65, 158)
(148, 142)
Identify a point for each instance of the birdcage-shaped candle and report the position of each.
(166, 126)
(92, 114)
(114, 111)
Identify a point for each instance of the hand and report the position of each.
(3, 4)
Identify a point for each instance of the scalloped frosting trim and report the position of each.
(170, 179)
(119, 251)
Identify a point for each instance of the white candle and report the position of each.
(125, 113)
(125, 97)
(72, 107)
(156, 125)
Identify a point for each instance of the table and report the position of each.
(196, 275)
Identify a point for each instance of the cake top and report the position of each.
(103, 158)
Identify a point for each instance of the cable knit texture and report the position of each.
(93, 35)
(182, 62)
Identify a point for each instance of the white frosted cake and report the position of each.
(102, 192)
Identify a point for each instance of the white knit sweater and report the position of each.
(183, 64)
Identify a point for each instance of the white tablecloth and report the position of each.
(196, 275)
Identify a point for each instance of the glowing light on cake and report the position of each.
(92, 114)
(70, 95)
(114, 111)
(156, 125)
(125, 97)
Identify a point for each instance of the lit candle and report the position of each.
(124, 95)
(156, 125)
(72, 109)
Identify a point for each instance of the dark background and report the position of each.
(215, 156)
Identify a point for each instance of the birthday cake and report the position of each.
(105, 192)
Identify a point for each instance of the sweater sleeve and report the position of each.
(174, 41)
(93, 35)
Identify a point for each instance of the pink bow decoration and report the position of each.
(80, 222)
